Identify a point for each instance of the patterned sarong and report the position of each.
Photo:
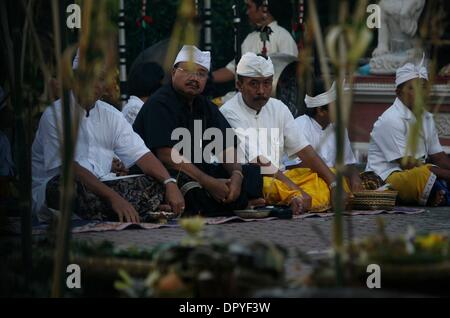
(144, 193)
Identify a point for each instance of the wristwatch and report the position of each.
(165, 182)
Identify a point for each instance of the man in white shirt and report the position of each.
(103, 132)
(318, 129)
(253, 114)
(280, 40)
(145, 79)
(395, 160)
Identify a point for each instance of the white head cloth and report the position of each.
(76, 59)
(192, 53)
(252, 65)
(410, 71)
(322, 99)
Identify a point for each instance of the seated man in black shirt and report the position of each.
(179, 109)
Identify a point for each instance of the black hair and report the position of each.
(399, 88)
(145, 79)
(240, 78)
(312, 112)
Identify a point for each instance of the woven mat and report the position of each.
(83, 226)
(397, 210)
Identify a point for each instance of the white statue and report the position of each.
(396, 35)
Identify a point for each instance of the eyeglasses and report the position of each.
(200, 74)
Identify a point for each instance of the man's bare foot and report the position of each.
(297, 205)
(307, 202)
(438, 198)
(256, 203)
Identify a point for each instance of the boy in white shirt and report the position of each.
(318, 129)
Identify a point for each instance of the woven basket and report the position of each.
(374, 200)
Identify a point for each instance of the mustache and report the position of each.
(258, 98)
(193, 83)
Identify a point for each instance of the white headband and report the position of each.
(192, 53)
(410, 71)
(322, 99)
(252, 65)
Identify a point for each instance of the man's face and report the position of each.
(88, 92)
(255, 90)
(323, 116)
(407, 93)
(189, 80)
(99, 87)
(255, 14)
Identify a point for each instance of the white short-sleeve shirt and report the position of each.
(281, 41)
(270, 133)
(132, 108)
(323, 141)
(389, 139)
(102, 134)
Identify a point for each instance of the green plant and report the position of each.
(344, 44)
